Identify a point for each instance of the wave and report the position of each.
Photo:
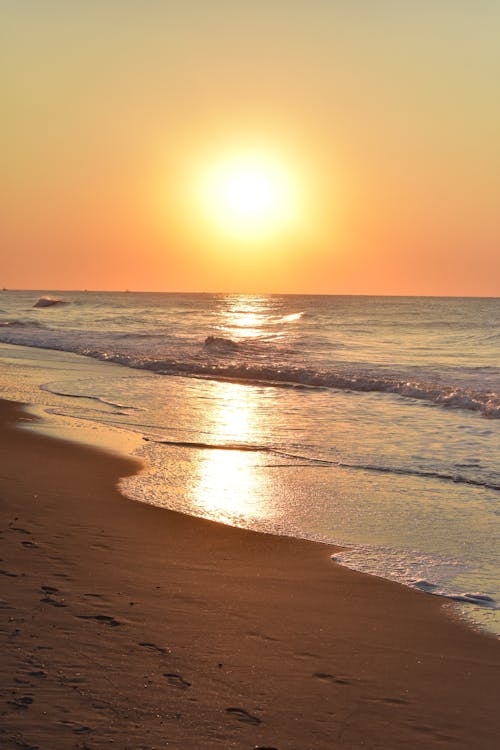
(393, 564)
(488, 404)
(21, 324)
(212, 361)
(212, 446)
(290, 318)
(50, 389)
(311, 461)
(455, 478)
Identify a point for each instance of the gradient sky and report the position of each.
(388, 113)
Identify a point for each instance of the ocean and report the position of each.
(371, 422)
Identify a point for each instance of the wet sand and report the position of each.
(127, 626)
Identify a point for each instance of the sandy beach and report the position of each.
(131, 627)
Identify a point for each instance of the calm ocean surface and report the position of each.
(368, 421)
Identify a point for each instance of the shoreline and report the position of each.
(130, 626)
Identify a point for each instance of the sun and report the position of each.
(249, 196)
(249, 193)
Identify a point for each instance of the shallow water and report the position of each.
(364, 421)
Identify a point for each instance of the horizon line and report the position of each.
(248, 294)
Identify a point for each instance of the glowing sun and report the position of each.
(249, 196)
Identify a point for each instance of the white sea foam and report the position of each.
(408, 567)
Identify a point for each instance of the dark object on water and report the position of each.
(49, 302)
(221, 343)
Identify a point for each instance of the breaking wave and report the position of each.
(252, 363)
(488, 404)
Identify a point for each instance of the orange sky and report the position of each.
(386, 114)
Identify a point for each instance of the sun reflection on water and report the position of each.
(228, 485)
(246, 316)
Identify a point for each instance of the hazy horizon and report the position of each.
(52, 290)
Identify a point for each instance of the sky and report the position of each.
(382, 116)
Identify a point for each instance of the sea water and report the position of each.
(371, 422)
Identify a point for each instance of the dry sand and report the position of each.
(126, 626)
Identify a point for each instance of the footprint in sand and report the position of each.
(49, 599)
(106, 619)
(331, 678)
(22, 703)
(154, 647)
(81, 730)
(49, 589)
(241, 715)
(262, 636)
(388, 699)
(53, 602)
(76, 728)
(39, 673)
(176, 680)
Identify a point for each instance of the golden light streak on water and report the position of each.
(227, 485)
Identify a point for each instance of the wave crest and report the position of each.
(487, 404)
